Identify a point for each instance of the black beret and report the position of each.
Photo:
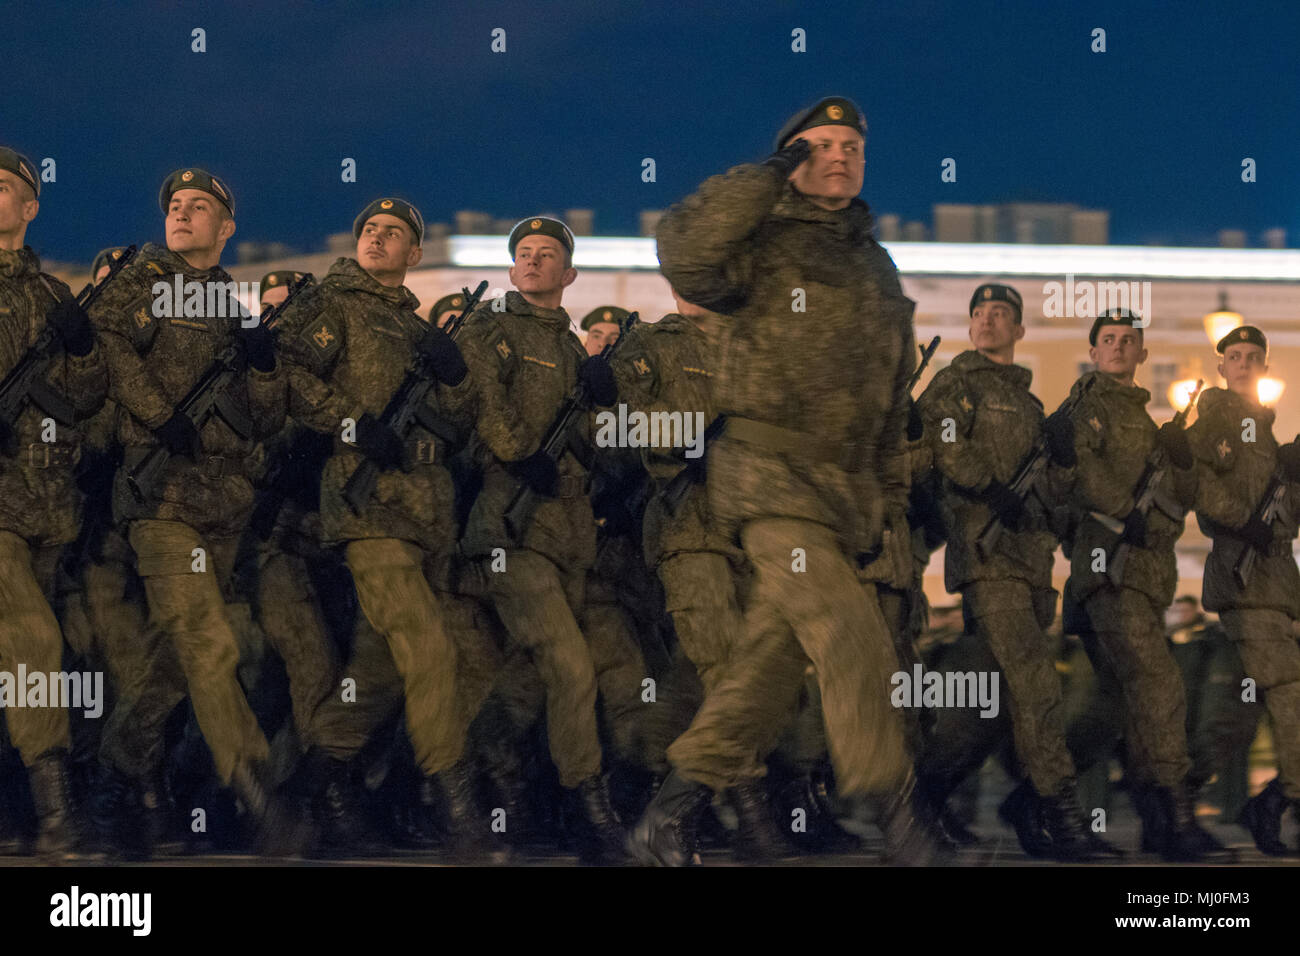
(832, 111)
(1116, 317)
(992, 292)
(604, 313)
(389, 206)
(273, 280)
(541, 226)
(1243, 333)
(452, 302)
(105, 257)
(20, 166)
(194, 178)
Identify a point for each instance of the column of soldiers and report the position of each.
(663, 637)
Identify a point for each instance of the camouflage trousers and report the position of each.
(1130, 635)
(189, 645)
(536, 603)
(1271, 657)
(30, 636)
(1011, 617)
(825, 616)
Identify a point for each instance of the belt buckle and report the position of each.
(214, 467)
(426, 452)
(31, 454)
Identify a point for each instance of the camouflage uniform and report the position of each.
(40, 506)
(1233, 475)
(1008, 599)
(813, 420)
(1114, 438)
(348, 343)
(523, 361)
(194, 505)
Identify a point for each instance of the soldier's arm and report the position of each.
(492, 361)
(891, 452)
(126, 328)
(268, 400)
(701, 239)
(1095, 487)
(1215, 442)
(312, 341)
(81, 379)
(948, 410)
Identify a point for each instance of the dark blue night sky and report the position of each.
(1153, 130)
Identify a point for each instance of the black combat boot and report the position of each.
(758, 838)
(666, 833)
(911, 833)
(412, 811)
(1186, 841)
(341, 825)
(469, 835)
(823, 833)
(63, 834)
(1156, 824)
(933, 791)
(277, 830)
(1262, 816)
(510, 793)
(601, 837)
(1066, 825)
(1022, 811)
(118, 812)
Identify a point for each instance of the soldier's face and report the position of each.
(386, 246)
(540, 266)
(102, 271)
(274, 296)
(197, 222)
(446, 316)
(599, 335)
(18, 205)
(1118, 351)
(1242, 367)
(993, 327)
(832, 175)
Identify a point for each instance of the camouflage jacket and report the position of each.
(992, 421)
(152, 363)
(348, 343)
(1114, 437)
(668, 368)
(817, 341)
(39, 500)
(524, 361)
(1233, 474)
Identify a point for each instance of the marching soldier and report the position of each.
(1239, 465)
(794, 481)
(603, 325)
(981, 422)
(349, 345)
(40, 505)
(524, 360)
(184, 530)
(1114, 438)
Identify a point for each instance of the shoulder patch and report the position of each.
(1095, 424)
(1224, 449)
(641, 365)
(323, 336)
(503, 349)
(965, 404)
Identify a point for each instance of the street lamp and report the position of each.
(1180, 393)
(1219, 323)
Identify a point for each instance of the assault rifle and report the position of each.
(407, 406)
(209, 396)
(1265, 511)
(519, 512)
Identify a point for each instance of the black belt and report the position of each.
(40, 454)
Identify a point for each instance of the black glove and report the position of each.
(1288, 458)
(1006, 504)
(73, 327)
(915, 425)
(179, 435)
(378, 442)
(443, 356)
(1058, 429)
(596, 374)
(787, 159)
(1172, 440)
(1257, 534)
(1135, 529)
(259, 346)
(538, 471)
